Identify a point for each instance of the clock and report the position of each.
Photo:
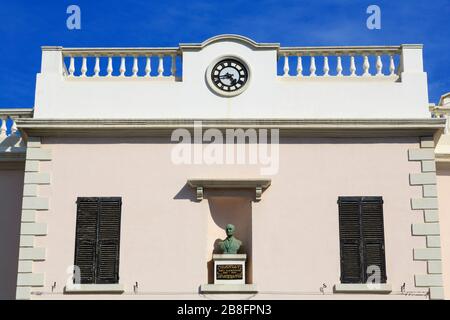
(228, 76)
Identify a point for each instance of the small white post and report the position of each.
(286, 66)
(352, 66)
(13, 127)
(71, 66)
(391, 65)
(312, 68)
(326, 67)
(3, 127)
(135, 66)
(299, 66)
(109, 68)
(122, 66)
(366, 66)
(97, 66)
(339, 66)
(160, 66)
(148, 66)
(84, 67)
(379, 66)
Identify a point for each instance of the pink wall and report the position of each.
(443, 183)
(167, 237)
(11, 188)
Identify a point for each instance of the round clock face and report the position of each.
(229, 75)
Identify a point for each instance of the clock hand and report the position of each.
(226, 76)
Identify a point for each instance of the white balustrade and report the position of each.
(124, 62)
(8, 127)
(340, 61)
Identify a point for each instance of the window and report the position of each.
(361, 234)
(98, 239)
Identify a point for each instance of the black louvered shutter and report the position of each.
(350, 238)
(361, 234)
(98, 239)
(373, 236)
(86, 238)
(108, 241)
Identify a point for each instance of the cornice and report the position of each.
(287, 127)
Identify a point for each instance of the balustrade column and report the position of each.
(326, 68)
(122, 68)
(312, 68)
(160, 66)
(299, 66)
(135, 66)
(148, 66)
(339, 66)
(286, 65)
(97, 66)
(3, 126)
(71, 66)
(379, 66)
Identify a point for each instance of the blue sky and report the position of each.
(27, 25)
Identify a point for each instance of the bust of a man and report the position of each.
(230, 245)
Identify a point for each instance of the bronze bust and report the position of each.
(230, 245)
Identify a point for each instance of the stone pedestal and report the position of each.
(229, 275)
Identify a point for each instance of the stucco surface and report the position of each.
(167, 237)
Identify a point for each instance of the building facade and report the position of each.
(120, 182)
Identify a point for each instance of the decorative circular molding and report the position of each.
(228, 76)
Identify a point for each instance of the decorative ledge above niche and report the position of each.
(258, 184)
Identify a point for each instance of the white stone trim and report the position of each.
(32, 205)
(428, 166)
(422, 178)
(424, 203)
(430, 228)
(35, 254)
(36, 229)
(28, 216)
(30, 190)
(30, 279)
(434, 267)
(94, 288)
(431, 215)
(25, 266)
(427, 254)
(425, 229)
(38, 154)
(23, 293)
(32, 166)
(421, 154)
(437, 293)
(433, 241)
(429, 191)
(362, 288)
(429, 280)
(35, 203)
(37, 178)
(27, 241)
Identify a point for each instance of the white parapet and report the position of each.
(369, 82)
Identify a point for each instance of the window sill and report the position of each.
(228, 288)
(115, 288)
(362, 288)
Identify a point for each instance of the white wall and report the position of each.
(267, 96)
